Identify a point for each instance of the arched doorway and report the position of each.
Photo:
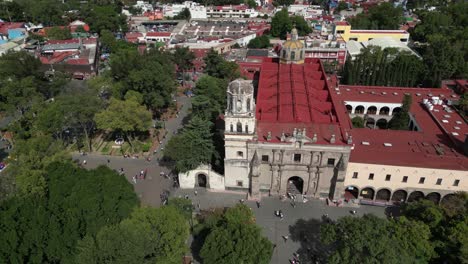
(367, 193)
(295, 185)
(202, 180)
(399, 196)
(383, 195)
(349, 108)
(434, 197)
(415, 196)
(382, 123)
(359, 109)
(447, 198)
(384, 111)
(396, 110)
(351, 192)
(372, 110)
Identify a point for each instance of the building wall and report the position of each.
(347, 33)
(320, 179)
(189, 179)
(396, 179)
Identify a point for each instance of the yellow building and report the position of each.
(344, 30)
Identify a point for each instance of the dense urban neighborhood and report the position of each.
(234, 131)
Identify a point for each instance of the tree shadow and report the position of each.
(307, 232)
(3, 154)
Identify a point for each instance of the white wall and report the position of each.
(188, 180)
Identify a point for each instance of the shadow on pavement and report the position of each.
(307, 232)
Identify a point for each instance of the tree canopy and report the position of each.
(216, 66)
(400, 120)
(46, 229)
(236, 239)
(259, 42)
(58, 33)
(149, 236)
(183, 58)
(383, 16)
(282, 24)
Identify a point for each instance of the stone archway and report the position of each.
(351, 192)
(415, 196)
(446, 199)
(384, 111)
(368, 193)
(359, 109)
(396, 110)
(383, 195)
(202, 180)
(349, 108)
(399, 196)
(372, 110)
(295, 185)
(434, 197)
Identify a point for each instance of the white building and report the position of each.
(237, 11)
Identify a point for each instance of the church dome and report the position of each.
(293, 43)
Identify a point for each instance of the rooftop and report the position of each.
(437, 144)
(295, 96)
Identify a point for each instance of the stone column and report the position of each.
(274, 188)
(280, 172)
(311, 181)
(317, 186)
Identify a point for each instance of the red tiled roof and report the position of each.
(4, 27)
(295, 96)
(434, 145)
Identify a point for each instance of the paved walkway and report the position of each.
(301, 224)
(150, 189)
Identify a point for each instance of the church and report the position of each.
(293, 134)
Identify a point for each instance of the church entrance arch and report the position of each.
(202, 180)
(295, 185)
(351, 192)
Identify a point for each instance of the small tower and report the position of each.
(292, 50)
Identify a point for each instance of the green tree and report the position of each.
(45, 229)
(184, 14)
(183, 206)
(149, 236)
(251, 3)
(301, 25)
(236, 239)
(127, 117)
(358, 122)
(211, 98)
(59, 33)
(456, 205)
(192, 147)
(370, 239)
(261, 42)
(106, 17)
(383, 16)
(284, 2)
(281, 24)
(217, 67)
(400, 120)
(183, 58)
(425, 211)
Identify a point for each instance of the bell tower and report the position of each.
(239, 120)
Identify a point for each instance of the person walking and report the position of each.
(134, 179)
(84, 162)
(285, 238)
(258, 204)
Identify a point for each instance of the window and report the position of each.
(331, 162)
(340, 32)
(248, 104)
(355, 174)
(232, 128)
(239, 183)
(240, 154)
(369, 39)
(421, 180)
(239, 127)
(404, 40)
(355, 39)
(456, 182)
(297, 157)
(246, 128)
(439, 182)
(405, 179)
(388, 177)
(371, 176)
(265, 158)
(293, 55)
